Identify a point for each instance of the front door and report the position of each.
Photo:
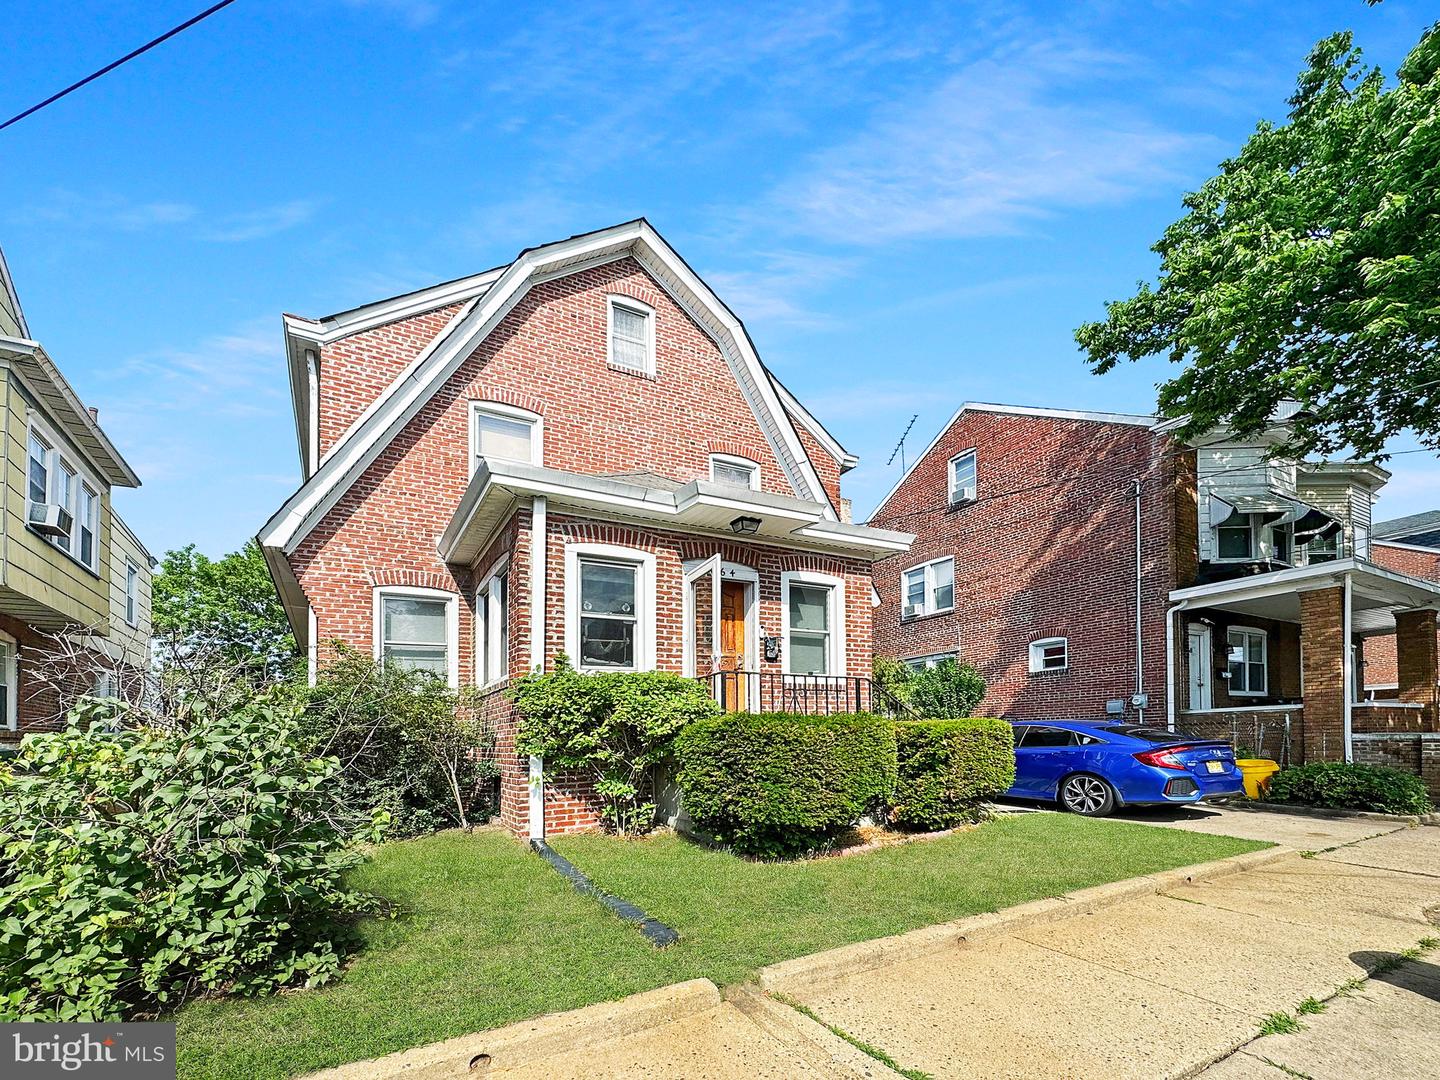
(733, 595)
(1201, 667)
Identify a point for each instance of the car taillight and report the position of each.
(1164, 758)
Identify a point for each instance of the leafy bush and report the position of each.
(948, 691)
(140, 867)
(891, 680)
(778, 784)
(947, 767)
(1338, 785)
(406, 742)
(615, 725)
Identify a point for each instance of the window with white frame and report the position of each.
(1248, 668)
(609, 619)
(631, 335)
(928, 589)
(1323, 548)
(52, 480)
(738, 471)
(416, 630)
(132, 594)
(962, 478)
(504, 433)
(9, 691)
(814, 623)
(1049, 654)
(925, 663)
(492, 622)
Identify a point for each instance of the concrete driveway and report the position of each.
(1302, 832)
(1160, 985)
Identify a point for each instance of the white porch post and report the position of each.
(1171, 693)
(1347, 671)
(538, 552)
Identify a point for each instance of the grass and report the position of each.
(1281, 1023)
(493, 935)
(859, 1044)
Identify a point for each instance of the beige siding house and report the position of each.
(68, 564)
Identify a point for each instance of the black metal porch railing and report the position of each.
(772, 691)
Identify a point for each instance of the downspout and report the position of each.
(1347, 673)
(1139, 599)
(537, 654)
(1170, 695)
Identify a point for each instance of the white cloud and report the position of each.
(773, 285)
(261, 223)
(995, 145)
(105, 211)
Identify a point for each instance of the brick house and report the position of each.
(1091, 564)
(577, 453)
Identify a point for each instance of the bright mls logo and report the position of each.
(111, 1051)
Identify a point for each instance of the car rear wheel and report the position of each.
(1087, 795)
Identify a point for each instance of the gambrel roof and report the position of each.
(487, 299)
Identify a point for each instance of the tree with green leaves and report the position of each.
(1308, 269)
(224, 608)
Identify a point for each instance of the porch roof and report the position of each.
(1375, 592)
(700, 506)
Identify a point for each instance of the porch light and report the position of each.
(745, 526)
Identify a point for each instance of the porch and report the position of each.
(1272, 662)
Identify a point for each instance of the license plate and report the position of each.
(1215, 766)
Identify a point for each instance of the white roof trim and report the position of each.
(807, 420)
(794, 520)
(1281, 581)
(1131, 419)
(404, 398)
(7, 283)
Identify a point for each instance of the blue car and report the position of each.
(1092, 767)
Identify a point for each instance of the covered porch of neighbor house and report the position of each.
(1272, 661)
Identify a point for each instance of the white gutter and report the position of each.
(1170, 694)
(1139, 599)
(538, 553)
(1347, 673)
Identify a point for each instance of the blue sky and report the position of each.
(908, 206)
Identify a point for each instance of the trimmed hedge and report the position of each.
(946, 767)
(777, 784)
(1337, 785)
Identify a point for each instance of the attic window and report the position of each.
(631, 336)
(734, 470)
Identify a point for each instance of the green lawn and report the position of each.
(493, 935)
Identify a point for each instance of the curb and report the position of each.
(865, 955)
(806, 1037)
(533, 1040)
(1326, 812)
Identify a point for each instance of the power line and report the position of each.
(112, 66)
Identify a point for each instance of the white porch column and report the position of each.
(538, 554)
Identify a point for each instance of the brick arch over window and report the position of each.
(478, 391)
(415, 579)
(736, 449)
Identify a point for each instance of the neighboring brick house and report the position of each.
(65, 555)
(1091, 564)
(1410, 545)
(578, 453)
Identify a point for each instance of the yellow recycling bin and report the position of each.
(1255, 773)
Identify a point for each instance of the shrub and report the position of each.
(948, 691)
(892, 681)
(615, 725)
(406, 742)
(1340, 785)
(140, 867)
(947, 767)
(778, 784)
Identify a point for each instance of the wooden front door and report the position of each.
(732, 642)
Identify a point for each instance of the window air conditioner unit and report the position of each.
(909, 611)
(960, 496)
(50, 519)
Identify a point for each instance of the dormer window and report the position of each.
(1235, 538)
(504, 433)
(735, 470)
(631, 336)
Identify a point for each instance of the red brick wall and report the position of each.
(825, 465)
(1047, 550)
(1379, 652)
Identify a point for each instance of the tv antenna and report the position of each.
(900, 446)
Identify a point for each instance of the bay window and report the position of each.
(53, 480)
(492, 623)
